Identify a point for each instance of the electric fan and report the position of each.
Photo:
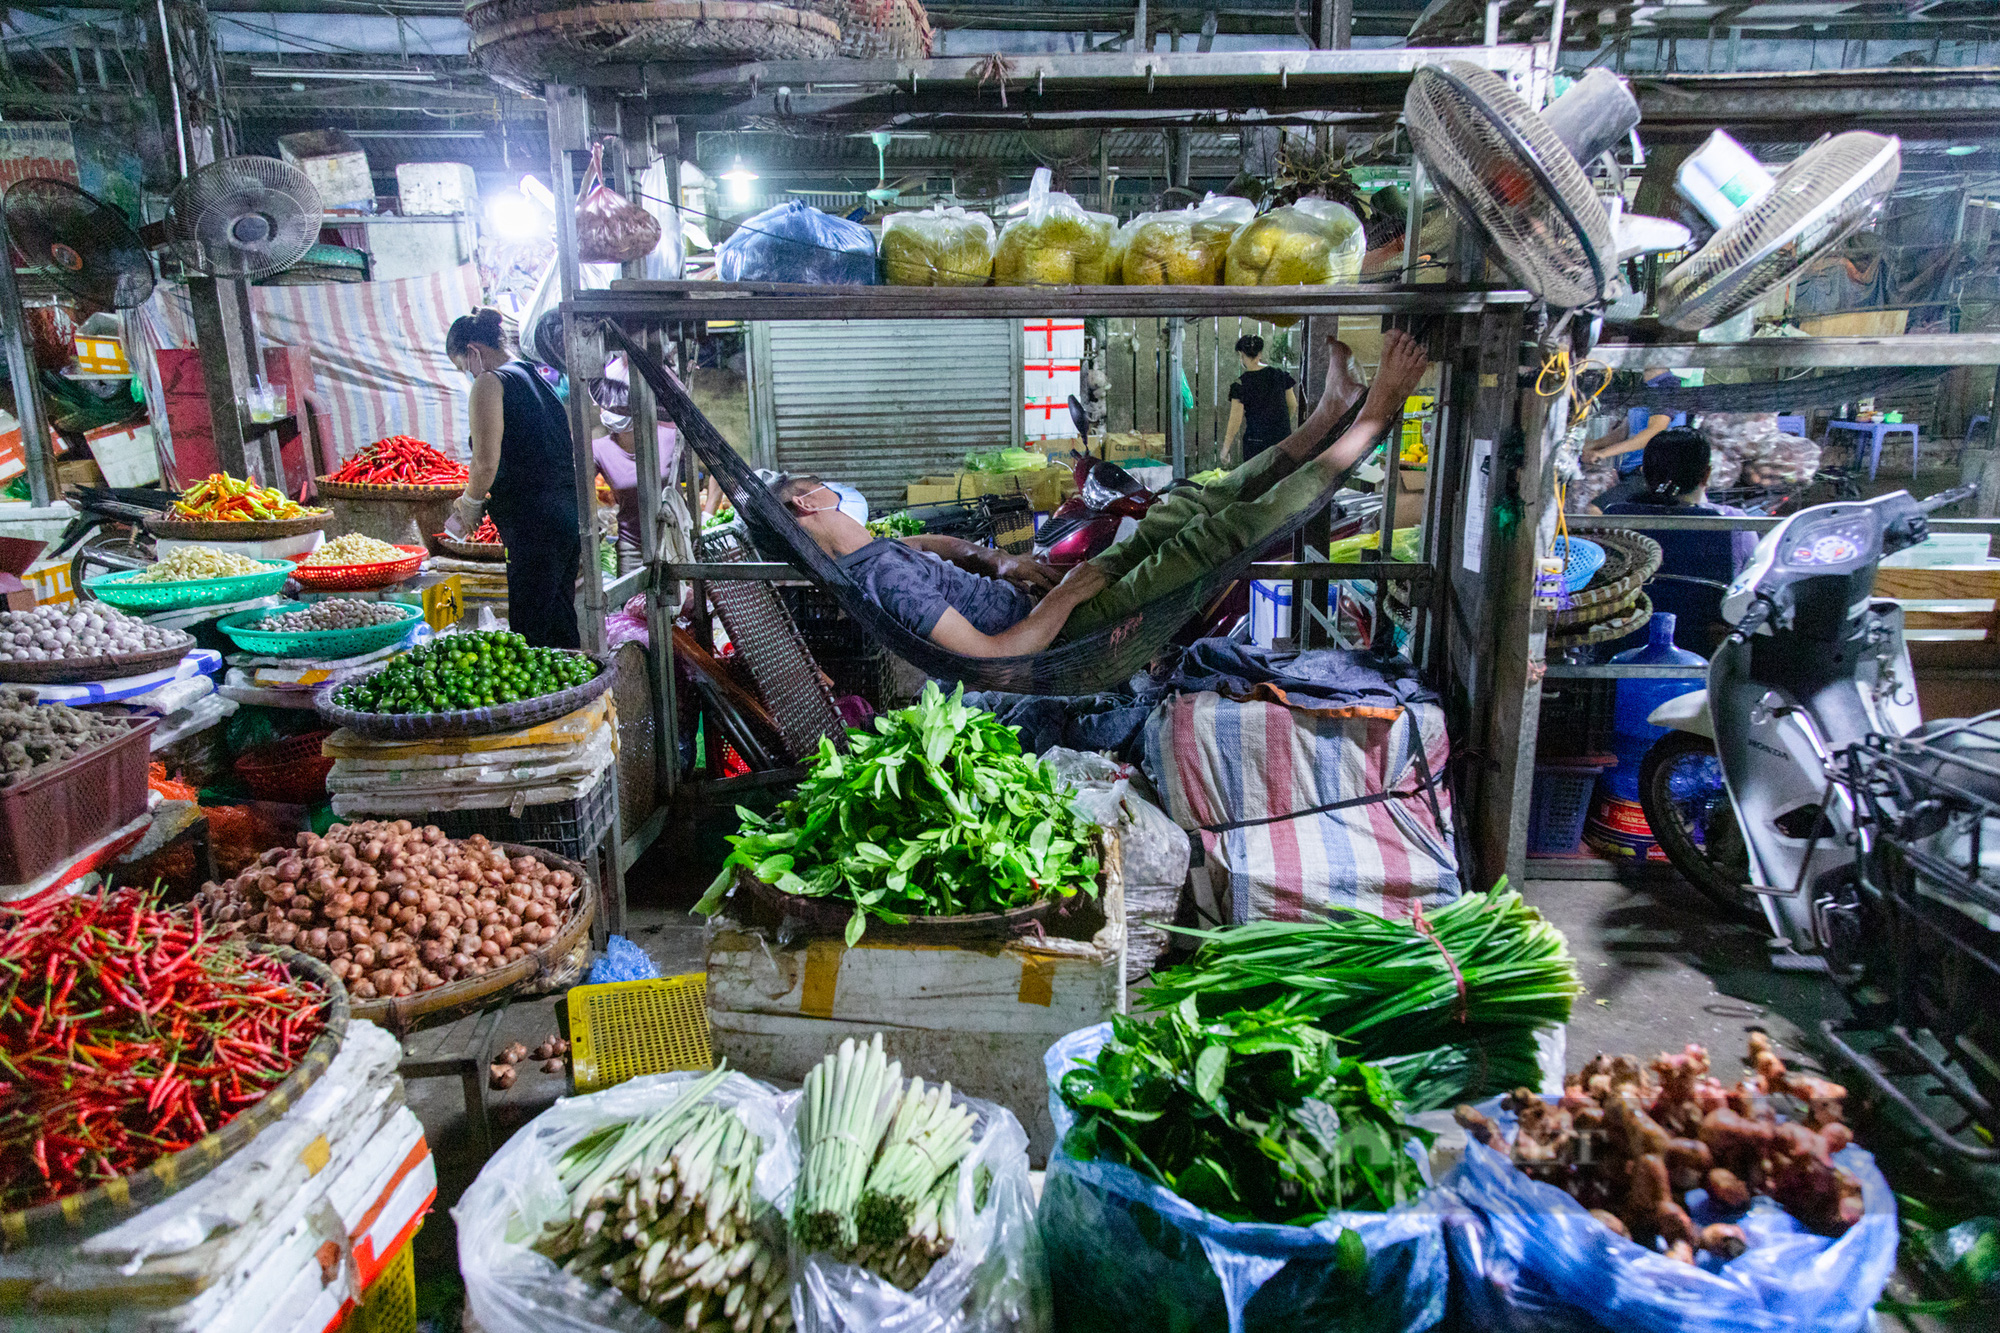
(1767, 233)
(244, 217)
(1517, 177)
(78, 242)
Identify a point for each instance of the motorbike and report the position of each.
(109, 531)
(1108, 504)
(1737, 792)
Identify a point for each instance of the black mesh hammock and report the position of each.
(1079, 666)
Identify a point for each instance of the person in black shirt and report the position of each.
(1262, 404)
(523, 473)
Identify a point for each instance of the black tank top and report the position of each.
(537, 473)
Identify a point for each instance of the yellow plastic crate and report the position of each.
(101, 356)
(622, 1029)
(390, 1303)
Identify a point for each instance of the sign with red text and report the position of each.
(36, 148)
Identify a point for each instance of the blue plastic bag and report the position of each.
(794, 242)
(1126, 1254)
(622, 961)
(1527, 1257)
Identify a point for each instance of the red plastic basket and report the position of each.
(354, 578)
(290, 771)
(58, 812)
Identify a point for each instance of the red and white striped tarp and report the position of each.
(379, 366)
(1231, 765)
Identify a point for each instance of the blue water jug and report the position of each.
(1632, 734)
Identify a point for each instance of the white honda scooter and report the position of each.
(1815, 663)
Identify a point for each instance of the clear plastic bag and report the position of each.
(1153, 850)
(1527, 1258)
(992, 1281)
(938, 247)
(1056, 243)
(611, 229)
(1129, 1256)
(794, 242)
(512, 1289)
(1312, 243)
(1184, 247)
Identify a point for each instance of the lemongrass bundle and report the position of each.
(663, 1209)
(844, 1110)
(1449, 1006)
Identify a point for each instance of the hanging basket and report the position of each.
(535, 40)
(879, 29)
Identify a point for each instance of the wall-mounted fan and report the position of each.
(78, 242)
(244, 217)
(1768, 229)
(1517, 177)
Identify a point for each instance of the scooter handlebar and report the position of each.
(1943, 498)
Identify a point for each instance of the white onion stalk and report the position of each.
(663, 1209)
(926, 1141)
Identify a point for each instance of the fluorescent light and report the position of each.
(515, 216)
(416, 134)
(346, 75)
(540, 193)
(1961, 150)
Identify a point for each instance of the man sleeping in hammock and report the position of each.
(979, 602)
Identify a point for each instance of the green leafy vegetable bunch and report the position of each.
(1448, 1007)
(902, 523)
(935, 812)
(1254, 1116)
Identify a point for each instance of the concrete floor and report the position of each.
(1661, 971)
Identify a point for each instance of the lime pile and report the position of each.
(475, 670)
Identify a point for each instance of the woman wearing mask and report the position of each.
(523, 474)
(1263, 403)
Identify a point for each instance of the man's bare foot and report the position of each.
(1402, 367)
(1343, 377)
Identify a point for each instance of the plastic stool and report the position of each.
(1791, 425)
(1875, 430)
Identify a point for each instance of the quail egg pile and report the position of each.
(34, 736)
(59, 634)
(334, 613)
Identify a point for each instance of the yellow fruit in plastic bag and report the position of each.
(938, 247)
(1312, 243)
(1183, 248)
(1064, 248)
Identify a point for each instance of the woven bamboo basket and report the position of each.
(527, 41)
(879, 29)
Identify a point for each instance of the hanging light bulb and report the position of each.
(738, 178)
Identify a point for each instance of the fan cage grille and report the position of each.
(42, 214)
(202, 211)
(1508, 195)
(1832, 190)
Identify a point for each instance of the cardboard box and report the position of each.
(127, 456)
(78, 472)
(937, 490)
(17, 554)
(333, 162)
(436, 189)
(1134, 444)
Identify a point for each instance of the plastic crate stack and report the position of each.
(295, 1233)
(854, 663)
(549, 786)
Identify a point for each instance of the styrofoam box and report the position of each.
(1942, 548)
(432, 189)
(981, 1018)
(334, 164)
(126, 457)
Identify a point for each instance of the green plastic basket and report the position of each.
(327, 643)
(118, 589)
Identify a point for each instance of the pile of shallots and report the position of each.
(394, 908)
(1629, 1141)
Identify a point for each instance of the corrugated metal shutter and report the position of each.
(875, 403)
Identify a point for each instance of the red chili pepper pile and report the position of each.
(127, 1034)
(485, 532)
(401, 460)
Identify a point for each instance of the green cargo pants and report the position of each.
(1192, 531)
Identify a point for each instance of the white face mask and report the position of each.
(614, 424)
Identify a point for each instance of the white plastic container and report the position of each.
(1943, 548)
(1722, 179)
(436, 189)
(1270, 611)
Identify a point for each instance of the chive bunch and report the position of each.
(1449, 1011)
(879, 1164)
(662, 1209)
